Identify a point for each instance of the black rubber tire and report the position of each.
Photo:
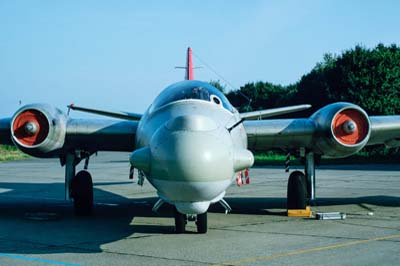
(202, 223)
(180, 222)
(297, 191)
(82, 193)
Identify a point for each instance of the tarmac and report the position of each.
(38, 227)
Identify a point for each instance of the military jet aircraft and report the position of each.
(191, 144)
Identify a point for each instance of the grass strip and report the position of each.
(11, 153)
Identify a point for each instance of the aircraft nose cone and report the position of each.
(191, 161)
(191, 149)
(191, 123)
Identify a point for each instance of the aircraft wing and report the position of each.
(100, 135)
(385, 130)
(44, 131)
(263, 135)
(337, 130)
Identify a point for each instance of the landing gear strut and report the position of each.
(309, 170)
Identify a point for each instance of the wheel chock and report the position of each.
(300, 212)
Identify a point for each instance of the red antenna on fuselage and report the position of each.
(189, 65)
(189, 74)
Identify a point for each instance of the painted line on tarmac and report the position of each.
(19, 257)
(303, 251)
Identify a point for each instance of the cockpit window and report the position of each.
(192, 89)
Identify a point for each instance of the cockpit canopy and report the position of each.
(191, 89)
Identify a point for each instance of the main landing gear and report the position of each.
(297, 191)
(81, 191)
(182, 219)
(78, 187)
(301, 187)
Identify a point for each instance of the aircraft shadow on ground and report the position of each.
(270, 206)
(110, 222)
(356, 167)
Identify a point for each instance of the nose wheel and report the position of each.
(182, 219)
(202, 223)
(180, 222)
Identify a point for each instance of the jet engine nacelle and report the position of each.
(342, 129)
(39, 129)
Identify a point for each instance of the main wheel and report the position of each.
(82, 193)
(297, 191)
(202, 223)
(180, 222)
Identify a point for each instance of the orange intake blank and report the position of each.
(360, 131)
(23, 135)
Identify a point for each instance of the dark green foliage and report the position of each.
(261, 95)
(367, 77)
(217, 84)
(313, 87)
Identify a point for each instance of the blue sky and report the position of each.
(120, 54)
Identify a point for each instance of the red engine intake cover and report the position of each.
(35, 117)
(360, 131)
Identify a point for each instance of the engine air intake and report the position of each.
(342, 129)
(30, 127)
(39, 129)
(350, 127)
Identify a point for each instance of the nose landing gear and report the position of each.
(182, 219)
(180, 222)
(201, 223)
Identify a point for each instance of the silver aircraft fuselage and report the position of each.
(186, 148)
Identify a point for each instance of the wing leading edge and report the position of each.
(115, 114)
(274, 112)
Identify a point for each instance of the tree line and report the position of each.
(369, 78)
